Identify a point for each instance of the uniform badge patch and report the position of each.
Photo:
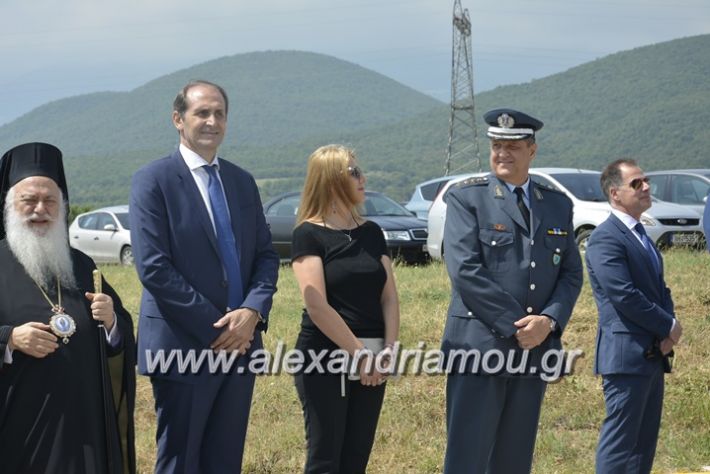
(499, 227)
(556, 259)
(556, 231)
(498, 192)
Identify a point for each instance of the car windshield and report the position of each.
(378, 205)
(584, 186)
(123, 219)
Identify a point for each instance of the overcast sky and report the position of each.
(51, 49)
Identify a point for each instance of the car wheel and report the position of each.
(126, 255)
(582, 238)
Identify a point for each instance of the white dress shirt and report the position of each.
(195, 162)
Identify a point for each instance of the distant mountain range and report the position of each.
(652, 103)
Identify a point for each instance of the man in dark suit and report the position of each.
(637, 325)
(515, 275)
(203, 253)
(706, 221)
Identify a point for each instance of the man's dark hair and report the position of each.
(611, 176)
(180, 103)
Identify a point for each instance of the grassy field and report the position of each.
(411, 432)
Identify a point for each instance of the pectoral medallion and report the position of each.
(62, 325)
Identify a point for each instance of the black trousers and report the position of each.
(340, 430)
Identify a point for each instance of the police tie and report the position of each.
(225, 238)
(523, 208)
(649, 247)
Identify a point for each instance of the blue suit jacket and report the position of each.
(706, 221)
(635, 306)
(178, 261)
(498, 275)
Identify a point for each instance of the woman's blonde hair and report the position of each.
(327, 181)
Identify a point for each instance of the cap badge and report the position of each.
(506, 121)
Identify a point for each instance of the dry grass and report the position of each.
(411, 433)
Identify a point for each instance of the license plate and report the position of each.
(684, 239)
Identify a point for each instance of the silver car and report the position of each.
(103, 234)
(684, 187)
(665, 223)
(425, 193)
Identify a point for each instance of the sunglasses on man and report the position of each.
(637, 183)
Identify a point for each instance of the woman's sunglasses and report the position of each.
(355, 172)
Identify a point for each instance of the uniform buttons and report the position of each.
(493, 242)
(530, 310)
(557, 250)
(532, 286)
(532, 264)
(470, 313)
(532, 242)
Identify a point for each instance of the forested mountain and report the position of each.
(652, 103)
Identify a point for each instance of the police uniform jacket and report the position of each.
(501, 272)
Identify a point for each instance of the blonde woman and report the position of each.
(345, 276)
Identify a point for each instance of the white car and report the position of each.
(665, 223)
(103, 235)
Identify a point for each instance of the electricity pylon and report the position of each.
(463, 148)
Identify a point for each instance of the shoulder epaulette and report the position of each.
(547, 187)
(474, 181)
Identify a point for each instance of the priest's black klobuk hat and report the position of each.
(30, 159)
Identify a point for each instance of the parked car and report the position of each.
(666, 224)
(405, 234)
(684, 187)
(425, 193)
(103, 235)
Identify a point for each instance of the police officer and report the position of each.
(515, 275)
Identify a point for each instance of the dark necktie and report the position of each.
(524, 211)
(649, 247)
(225, 239)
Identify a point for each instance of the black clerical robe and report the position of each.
(52, 417)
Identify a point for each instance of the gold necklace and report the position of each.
(62, 324)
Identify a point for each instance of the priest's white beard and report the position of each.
(46, 256)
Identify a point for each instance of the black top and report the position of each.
(354, 277)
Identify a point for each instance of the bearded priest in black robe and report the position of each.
(57, 409)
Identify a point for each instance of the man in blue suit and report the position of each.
(706, 221)
(637, 325)
(515, 276)
(204, 256)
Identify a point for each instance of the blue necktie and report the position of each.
(649, 247)
(225, 239)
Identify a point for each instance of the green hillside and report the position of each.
(652, 103)
(275, 98)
